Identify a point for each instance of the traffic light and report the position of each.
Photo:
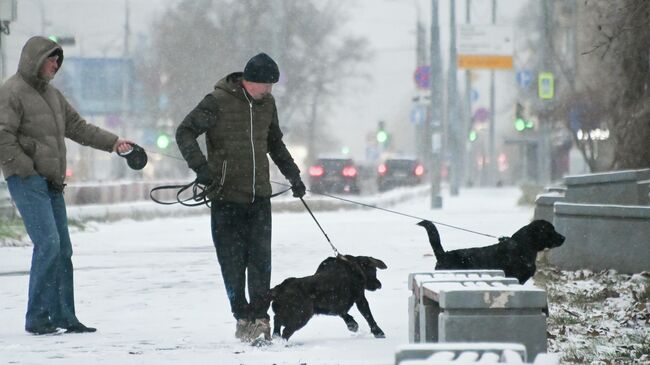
(382, 135)
(163, 141)
(473, 136)
(63, 40)
(521, 123)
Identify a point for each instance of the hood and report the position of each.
(232, 84)
(34, 53)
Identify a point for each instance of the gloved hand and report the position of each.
(203, 176)
(298, 188)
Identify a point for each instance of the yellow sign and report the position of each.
(483, 62)
(546, 85)
(485, 46)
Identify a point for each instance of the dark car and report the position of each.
(334, 175)
(399, 172)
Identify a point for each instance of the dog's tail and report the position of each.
(434, 238)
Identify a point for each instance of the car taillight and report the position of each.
(382, 169)
(349, 171)
(419, 170)
(316, 171)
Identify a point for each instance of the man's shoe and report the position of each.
(42, 330)
(261, 326)
(79, 328)
(242, 330)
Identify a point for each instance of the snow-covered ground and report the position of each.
(154, 289)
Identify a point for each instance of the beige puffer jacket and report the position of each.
(35, 119)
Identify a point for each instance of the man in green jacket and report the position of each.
(240, 121)
(35, 119)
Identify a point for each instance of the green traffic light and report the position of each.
(520, 124)
(530, 124)
(163, 141)
(53, 38)
(382, 136)
(473, 136)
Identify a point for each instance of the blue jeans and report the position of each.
(51, 292)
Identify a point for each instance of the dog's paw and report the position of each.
(353, 326)
(378, 333)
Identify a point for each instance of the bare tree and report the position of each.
(198, 42)
(602, 77)
(612, 82)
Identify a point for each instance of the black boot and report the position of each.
(79, 328)
(42, 330)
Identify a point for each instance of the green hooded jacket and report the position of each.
(240, 132)
(35, 119)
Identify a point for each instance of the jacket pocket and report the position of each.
(28, 145)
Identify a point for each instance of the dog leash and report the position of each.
(309, 210)
(392, 211)
(336, 252)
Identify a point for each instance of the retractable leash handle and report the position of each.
(136, 157)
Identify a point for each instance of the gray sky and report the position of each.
(389, 25)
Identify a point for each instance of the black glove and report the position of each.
(203, 176)
(298, 188)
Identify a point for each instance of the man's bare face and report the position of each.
(49, 67)
(258, 90)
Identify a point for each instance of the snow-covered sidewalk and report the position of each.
(154, 290)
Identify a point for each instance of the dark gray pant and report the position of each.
(241, 234)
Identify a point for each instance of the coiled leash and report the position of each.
(199, 193)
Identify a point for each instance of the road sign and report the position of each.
(423, 77)
(418, 114)
(545, 85)
(474, 95)
(481, 114)
(524, 78)
(485, 46)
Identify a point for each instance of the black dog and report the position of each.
(514, 255)
(337, 284)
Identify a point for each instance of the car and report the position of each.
(334, 175)
(396, 172)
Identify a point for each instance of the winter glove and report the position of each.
(298, 188)
(203, 175)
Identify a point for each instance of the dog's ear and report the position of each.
(377, 263)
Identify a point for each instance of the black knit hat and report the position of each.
(262, 69)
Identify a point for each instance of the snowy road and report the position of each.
(155, 292)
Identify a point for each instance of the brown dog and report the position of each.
(514, 255)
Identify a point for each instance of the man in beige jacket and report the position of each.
(35, 119)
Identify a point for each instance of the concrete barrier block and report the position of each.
(423, 328)
(483, 311)
(615, 187)
(431, 351)
(600, 237)
(544, 205)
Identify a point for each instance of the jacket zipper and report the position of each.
(250, 109)
(224, 167)
(223, 171)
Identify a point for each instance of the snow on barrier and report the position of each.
(492, 308)
(468, 353)
(423, 331)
